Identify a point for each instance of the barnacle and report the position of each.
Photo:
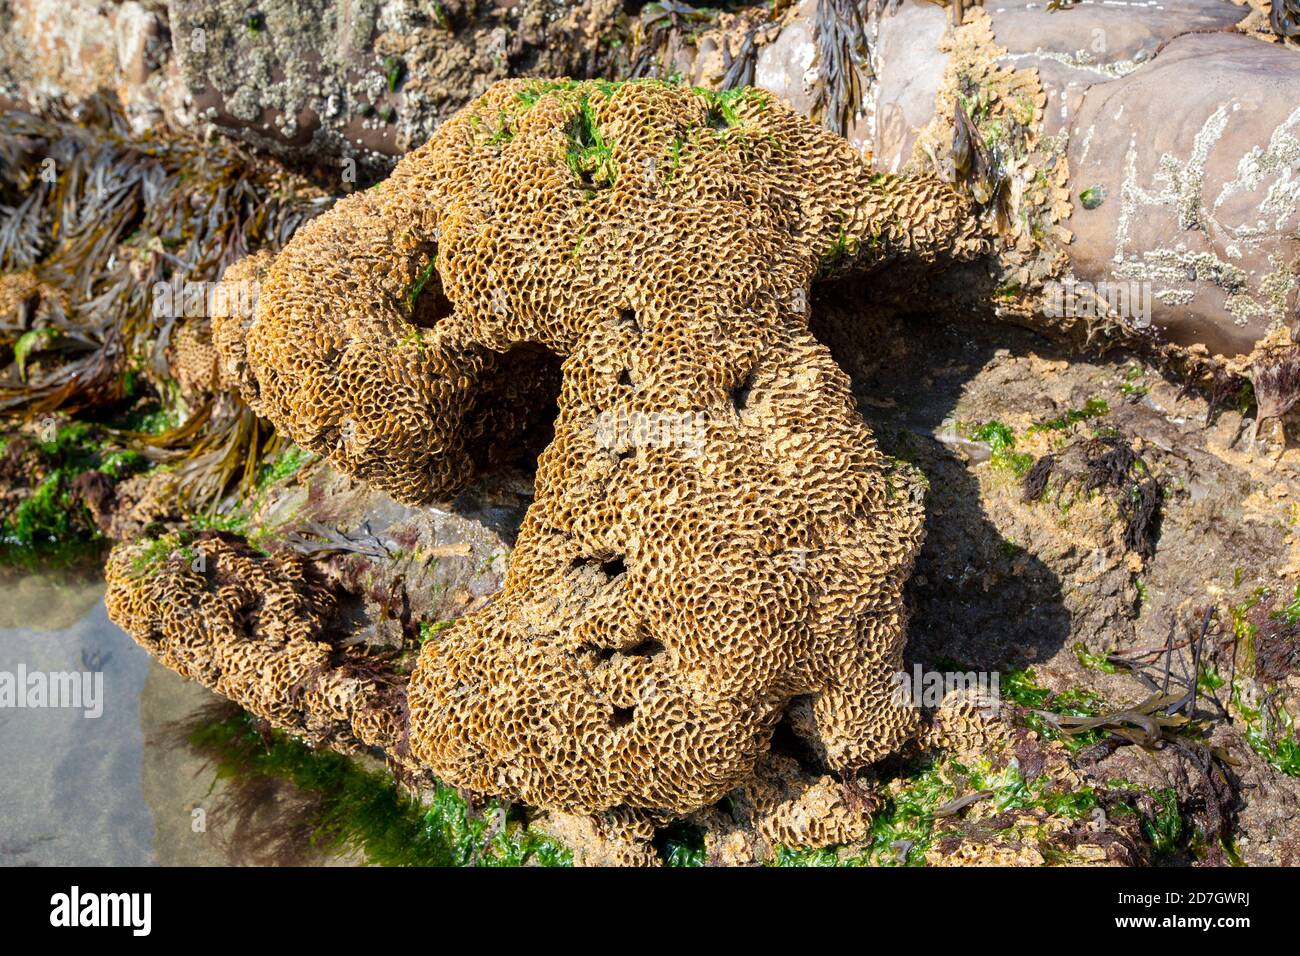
(715, 538)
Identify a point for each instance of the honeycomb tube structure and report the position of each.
(715, 540)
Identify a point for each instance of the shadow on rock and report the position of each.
(977, 600)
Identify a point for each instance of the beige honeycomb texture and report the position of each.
(715, 534)
(192, 359)
(254, 629)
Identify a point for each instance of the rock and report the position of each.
(53, 52)
(1196, 155)
(335, 83)
(1181, 140)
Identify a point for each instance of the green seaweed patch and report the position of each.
(1290, 614)
(842, 248)
(504, 132)
(529, 95)
(153, 553)
(234, 521)
(904, 830)
(1021, 687)
(1096, 662)
(1133, 385)
(1270, 730)
(589, 157)
(422, 280)
(1165, 830)
(1002, 442)
(675, 158)
(394, 72)
(363, 811)
(30, 342)
(121, 464)
(1092, 408)
(681, 844)
(723, 105)
(287, 463)
(1161, 821)
(1244, 630)
(47, 516)
(430, 628)
(50, 521)
(148, 417)
(826, 856)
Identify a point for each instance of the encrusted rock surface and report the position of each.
(679, 582)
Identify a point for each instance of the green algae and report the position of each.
(30, 342)
(904, 829)
(1002, 442)
(429, 628)
(47, 516)
(1021, 687)
(842, 248)
(1270, 730)
(148, 417)
(1166, 831)
(394, 72)
(1291, 612)
(287, 462)
(1092, 408)
(235, 521)
(722, 105)
(156, 551)
(1092, 197)
(1133, 385)
(681, 844)
(1096, 662)
(362, 811)
(49, 523)
(589, 157)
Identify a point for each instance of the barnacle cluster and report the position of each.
(715, 542)
(192, 360)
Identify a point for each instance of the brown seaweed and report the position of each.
(99, 219)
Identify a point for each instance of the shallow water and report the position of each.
(122, 788)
